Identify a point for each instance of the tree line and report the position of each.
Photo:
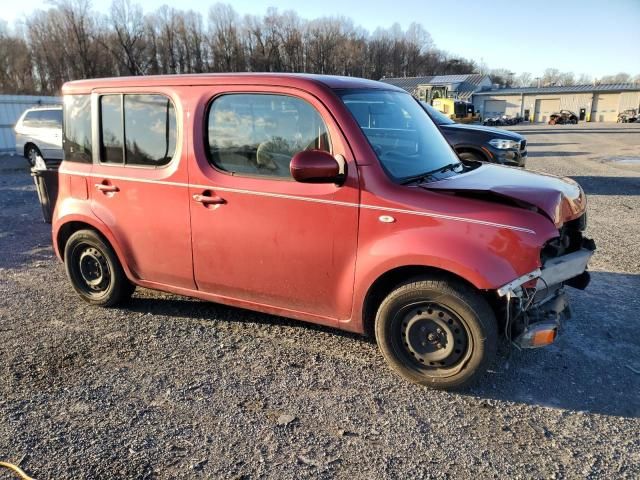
(72, 41)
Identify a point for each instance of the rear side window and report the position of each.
(137, 129)
(150, 129)
(77, 128)
(258, 134)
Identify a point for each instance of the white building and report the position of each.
(591, 103)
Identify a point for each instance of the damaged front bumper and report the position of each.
(536, 303)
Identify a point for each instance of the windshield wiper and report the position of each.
(429, 175)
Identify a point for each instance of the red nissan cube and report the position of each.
(326, 199)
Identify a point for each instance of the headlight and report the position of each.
(503, 144)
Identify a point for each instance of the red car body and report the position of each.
(313, 252)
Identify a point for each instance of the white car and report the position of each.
(39, 132)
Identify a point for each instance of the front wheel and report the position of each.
(437, 333)
(95, 271)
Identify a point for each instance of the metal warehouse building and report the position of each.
(595, 103)
(459, 87)
(11, 107)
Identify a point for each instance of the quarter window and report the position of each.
(111, 131)
(137, 129)
(77, 128)
(258, 134)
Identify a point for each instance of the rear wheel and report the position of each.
(31, 154)
(436, 333)
(95, 271)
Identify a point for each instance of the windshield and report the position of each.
(438, 117)
(403, 136)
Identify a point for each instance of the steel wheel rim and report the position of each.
(433, 337)
(91, 270)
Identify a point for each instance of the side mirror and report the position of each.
(316, 166)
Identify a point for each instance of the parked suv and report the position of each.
(479, 143)
(326, 199)
(39, 133)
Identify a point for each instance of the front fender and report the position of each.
(485, 256)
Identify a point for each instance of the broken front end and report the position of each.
(536, 303)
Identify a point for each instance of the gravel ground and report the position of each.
(169, 387)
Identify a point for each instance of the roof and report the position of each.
(607, 87)
(284, 79)
(467, 82)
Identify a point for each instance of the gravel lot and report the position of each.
(169, 387)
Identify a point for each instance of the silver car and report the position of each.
(39, 132)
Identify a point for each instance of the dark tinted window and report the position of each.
(51, 118)
(111, 132)
(150, 129)
(77, 128)
(258, 134)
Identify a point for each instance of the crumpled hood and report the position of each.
(561, 199)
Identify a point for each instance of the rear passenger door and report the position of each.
(138, 182)
(258, 235)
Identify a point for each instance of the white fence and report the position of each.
(11, 107)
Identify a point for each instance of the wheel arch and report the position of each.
(26, 147)
(386, 282)
(474, 150)
(72, 225)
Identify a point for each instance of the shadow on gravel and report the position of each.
(596, 185)
(216, 312)
(549, 144)
(556, 153)
(565, 131)
(595, 364)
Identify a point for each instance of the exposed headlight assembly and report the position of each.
(504, 144)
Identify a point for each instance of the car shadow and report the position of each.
(549, 144)
(596, 185)
(594, 366)
(565, 131)
(555, 153)
(159, 304)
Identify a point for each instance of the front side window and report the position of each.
(51, 118)
(403, 136)
(137, 129)
(77, 128)
(258, 134)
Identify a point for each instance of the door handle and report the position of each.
(104, 188)
(208, 199)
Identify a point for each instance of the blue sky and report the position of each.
(602, 36)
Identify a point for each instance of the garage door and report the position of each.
(544, 109)
(494, 108)
(605, 107)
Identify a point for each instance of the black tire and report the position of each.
(471, 157)
(95, 271)
(437, 333)
(30, 154)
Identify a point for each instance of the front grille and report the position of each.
(523, 145)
